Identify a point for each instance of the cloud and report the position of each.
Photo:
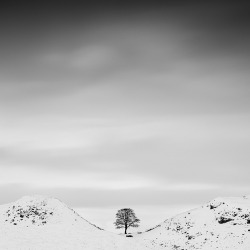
(153, 64)
(161, 99)
(178, 153)
(37, 177)
(87, 58)
(92, 197)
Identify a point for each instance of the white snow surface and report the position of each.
(44, 223)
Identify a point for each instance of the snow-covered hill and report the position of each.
(38, 222)
(38, 211)
(223, 223)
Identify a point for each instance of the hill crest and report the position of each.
(39, 210)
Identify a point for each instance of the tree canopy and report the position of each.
(126, 218)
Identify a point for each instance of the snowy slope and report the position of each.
(38, 222)
(223, 223)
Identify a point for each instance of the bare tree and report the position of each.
(126, 218)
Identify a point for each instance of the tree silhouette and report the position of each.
(126, 218)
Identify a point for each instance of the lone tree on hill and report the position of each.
(126, 218)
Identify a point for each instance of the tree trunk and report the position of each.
(125, 230)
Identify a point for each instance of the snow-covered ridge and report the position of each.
(223, 223)
(39, 222)
(234, 210)
(39, 210)
(35, 210)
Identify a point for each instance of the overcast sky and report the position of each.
(139, 105)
